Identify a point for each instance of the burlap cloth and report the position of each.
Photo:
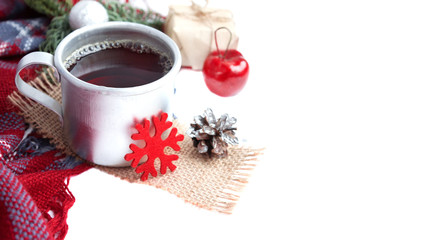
(212, 184)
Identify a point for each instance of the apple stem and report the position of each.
(229, 41)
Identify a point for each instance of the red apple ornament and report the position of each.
(226, 72)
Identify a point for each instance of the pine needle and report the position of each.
(59, 26)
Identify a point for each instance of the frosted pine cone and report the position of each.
(211, 135)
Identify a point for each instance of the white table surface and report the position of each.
(337, 95)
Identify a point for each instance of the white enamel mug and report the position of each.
(98, 121)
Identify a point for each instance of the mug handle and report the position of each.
(31, 92)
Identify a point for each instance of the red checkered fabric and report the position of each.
(19, 218)
(18, 37)
(34, 197)
(11, 8)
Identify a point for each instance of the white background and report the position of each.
(337, 95)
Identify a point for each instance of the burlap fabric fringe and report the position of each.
(212, 184)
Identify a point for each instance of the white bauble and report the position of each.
(86, 13)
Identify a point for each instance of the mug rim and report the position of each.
(64, 73)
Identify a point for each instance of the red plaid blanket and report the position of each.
(34, 198)
(18, 37)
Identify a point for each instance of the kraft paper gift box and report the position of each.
(192, 28)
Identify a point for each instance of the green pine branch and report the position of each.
(51, 8)
(57, 30)
(59, 26)
(124, 12)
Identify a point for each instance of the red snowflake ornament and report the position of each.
(154, 147)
